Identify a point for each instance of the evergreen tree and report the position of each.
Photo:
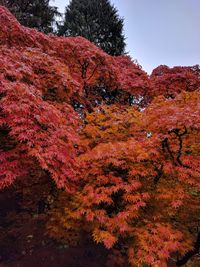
(34, 14)
(96, 20)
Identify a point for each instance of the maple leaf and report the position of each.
(104, 237)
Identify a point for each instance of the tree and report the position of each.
(98, 22)
(139, 184)
(34, 14)
(171, 81)
(77, 64)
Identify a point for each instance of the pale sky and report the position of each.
(159, 31)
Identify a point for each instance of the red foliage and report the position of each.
(171, 81)
(35, 118)
(88, 66)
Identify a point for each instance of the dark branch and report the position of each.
(159, 171)
(179, 135)
(166, 147)
(190, 253)
(94, 70)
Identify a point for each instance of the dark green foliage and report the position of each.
(34, 14)
(96, 20)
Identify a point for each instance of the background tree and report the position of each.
(34, 14)
(98, 21)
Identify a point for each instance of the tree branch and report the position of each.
(190, 253)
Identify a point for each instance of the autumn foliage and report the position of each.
(122, 147)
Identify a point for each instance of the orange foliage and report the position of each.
(140, 182)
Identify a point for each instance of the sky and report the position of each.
(159, 32)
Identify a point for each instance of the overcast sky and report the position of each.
(159, 31)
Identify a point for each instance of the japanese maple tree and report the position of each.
(139, 187)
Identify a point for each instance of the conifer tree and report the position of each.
(96, 20)
(34, 14)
